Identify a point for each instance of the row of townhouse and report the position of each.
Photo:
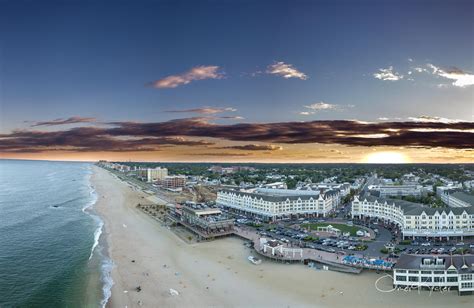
(417, 220)
(274, 204)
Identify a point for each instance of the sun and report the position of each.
(386, 158)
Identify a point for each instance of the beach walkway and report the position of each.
(332, 260)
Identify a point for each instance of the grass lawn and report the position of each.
(344, 228)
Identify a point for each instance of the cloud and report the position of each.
(133, 136)
(87, 139)
(461, 78)
(204, 110)
(285, 70)
(231, 117)
(388, 74)
(425, 118)
(62, 121)
(255, 147)
(220, 154)
(196, 73)
(322, 106)
(420, 69)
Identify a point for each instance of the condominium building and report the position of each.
(435, 273)
(455, 198)
(273, 204)
(152, 175)
(173, 182)
(417, 220)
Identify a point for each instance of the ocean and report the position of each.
(51, 254)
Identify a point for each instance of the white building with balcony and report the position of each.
(274, 204)
(435, 273)
(417, 220)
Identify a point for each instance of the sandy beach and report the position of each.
(218, 274)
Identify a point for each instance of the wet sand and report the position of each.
(218, 274)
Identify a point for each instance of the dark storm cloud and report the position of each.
(61, 121)
(86, 139)
(255, 147)
(204, 110)
(134, 136)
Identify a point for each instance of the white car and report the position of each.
(426, 244)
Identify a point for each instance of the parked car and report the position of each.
(426, 244)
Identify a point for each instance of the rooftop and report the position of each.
(278, 195)
(468, 198)
(462, 263)
(412, 208)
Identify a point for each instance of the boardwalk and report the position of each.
(332, 260)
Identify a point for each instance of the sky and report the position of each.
(237, 81)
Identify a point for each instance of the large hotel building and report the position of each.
(153, 175)
(417, 220)
(274, 204)
(439, 272)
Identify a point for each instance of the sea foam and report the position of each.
(106, 263)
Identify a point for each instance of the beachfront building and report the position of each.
(275, 248)
(206, 222)
(274, 204)
(417, 220)
(114, 166)
(435, 273)
(152, 174)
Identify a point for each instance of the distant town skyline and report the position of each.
(238, 81)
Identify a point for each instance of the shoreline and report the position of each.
(217, 273)
(97, 288)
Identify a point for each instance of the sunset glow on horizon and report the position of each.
(267, 92)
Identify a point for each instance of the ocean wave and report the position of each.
(106, 273)
(106, 263)
(97, 234)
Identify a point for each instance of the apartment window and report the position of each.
(452, 279)
(438, 272)
(413, 272)
(426, 272)
(466, 285)
(426, 279)
(413, 278)
(466, 277)
(401, 278)
(439, 279)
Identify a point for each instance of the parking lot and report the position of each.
(385, 236)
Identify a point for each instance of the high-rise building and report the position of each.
(153, 175)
